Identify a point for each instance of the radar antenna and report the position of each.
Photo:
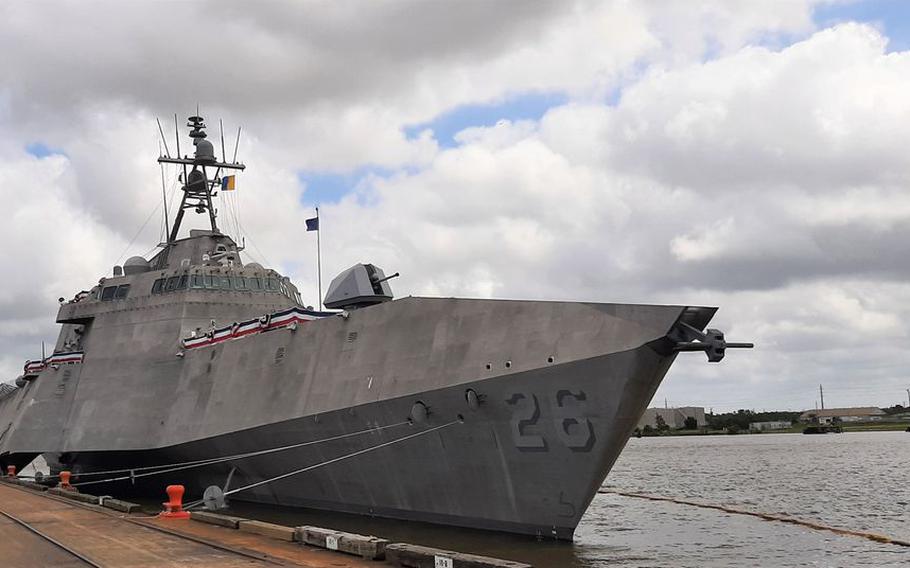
(198, 188)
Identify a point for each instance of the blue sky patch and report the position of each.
(529, 106)
(890, 16)
(330, 187)
(42, 150)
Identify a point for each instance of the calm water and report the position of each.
(854, 480)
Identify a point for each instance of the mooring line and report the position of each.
(180, 466)
(331, 461)
(764, 516)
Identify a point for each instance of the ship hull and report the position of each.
(528, 459)
(559, 388)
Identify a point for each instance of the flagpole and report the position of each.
(319, 257)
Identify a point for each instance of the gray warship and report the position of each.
(195, 367)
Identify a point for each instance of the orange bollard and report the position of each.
(11, 471)
(173, 509)
(65, 482)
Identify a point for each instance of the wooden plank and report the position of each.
(369, 547)
(413, 556)
(216, 519)
(74, 495)
(122, 506)
(267, 529)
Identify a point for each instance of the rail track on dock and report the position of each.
(59, 545)
(52, 531)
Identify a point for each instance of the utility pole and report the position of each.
(821, 395)
(908, 398)
(666, 406)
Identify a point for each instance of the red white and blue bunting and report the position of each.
(277, 320)
(32, 368)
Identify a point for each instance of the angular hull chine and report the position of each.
(528, 459)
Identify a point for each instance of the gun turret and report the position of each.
(360, 286)
(711, 341)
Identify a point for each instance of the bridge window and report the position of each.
(207, 281)
(108, 293)
(122, 292)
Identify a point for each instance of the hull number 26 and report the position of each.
(573, 430)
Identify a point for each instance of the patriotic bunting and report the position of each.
(32, 368)
(269, 322)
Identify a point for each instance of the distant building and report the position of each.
(675, 418)
(770, 425)
(827, 415)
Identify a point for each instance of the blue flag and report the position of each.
(312, 224)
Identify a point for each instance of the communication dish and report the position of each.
(213, 498)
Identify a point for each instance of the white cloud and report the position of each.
(53, 248)
(731, 170)
(822, 113)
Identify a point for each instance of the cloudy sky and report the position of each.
(747, 155)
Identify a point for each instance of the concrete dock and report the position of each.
(57, 528)
(111, 538)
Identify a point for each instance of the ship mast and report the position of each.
(198, 188)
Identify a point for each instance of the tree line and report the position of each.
(741, 419)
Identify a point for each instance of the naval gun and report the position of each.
(711, 341)
(359, 286)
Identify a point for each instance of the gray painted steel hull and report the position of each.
(528, 459)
